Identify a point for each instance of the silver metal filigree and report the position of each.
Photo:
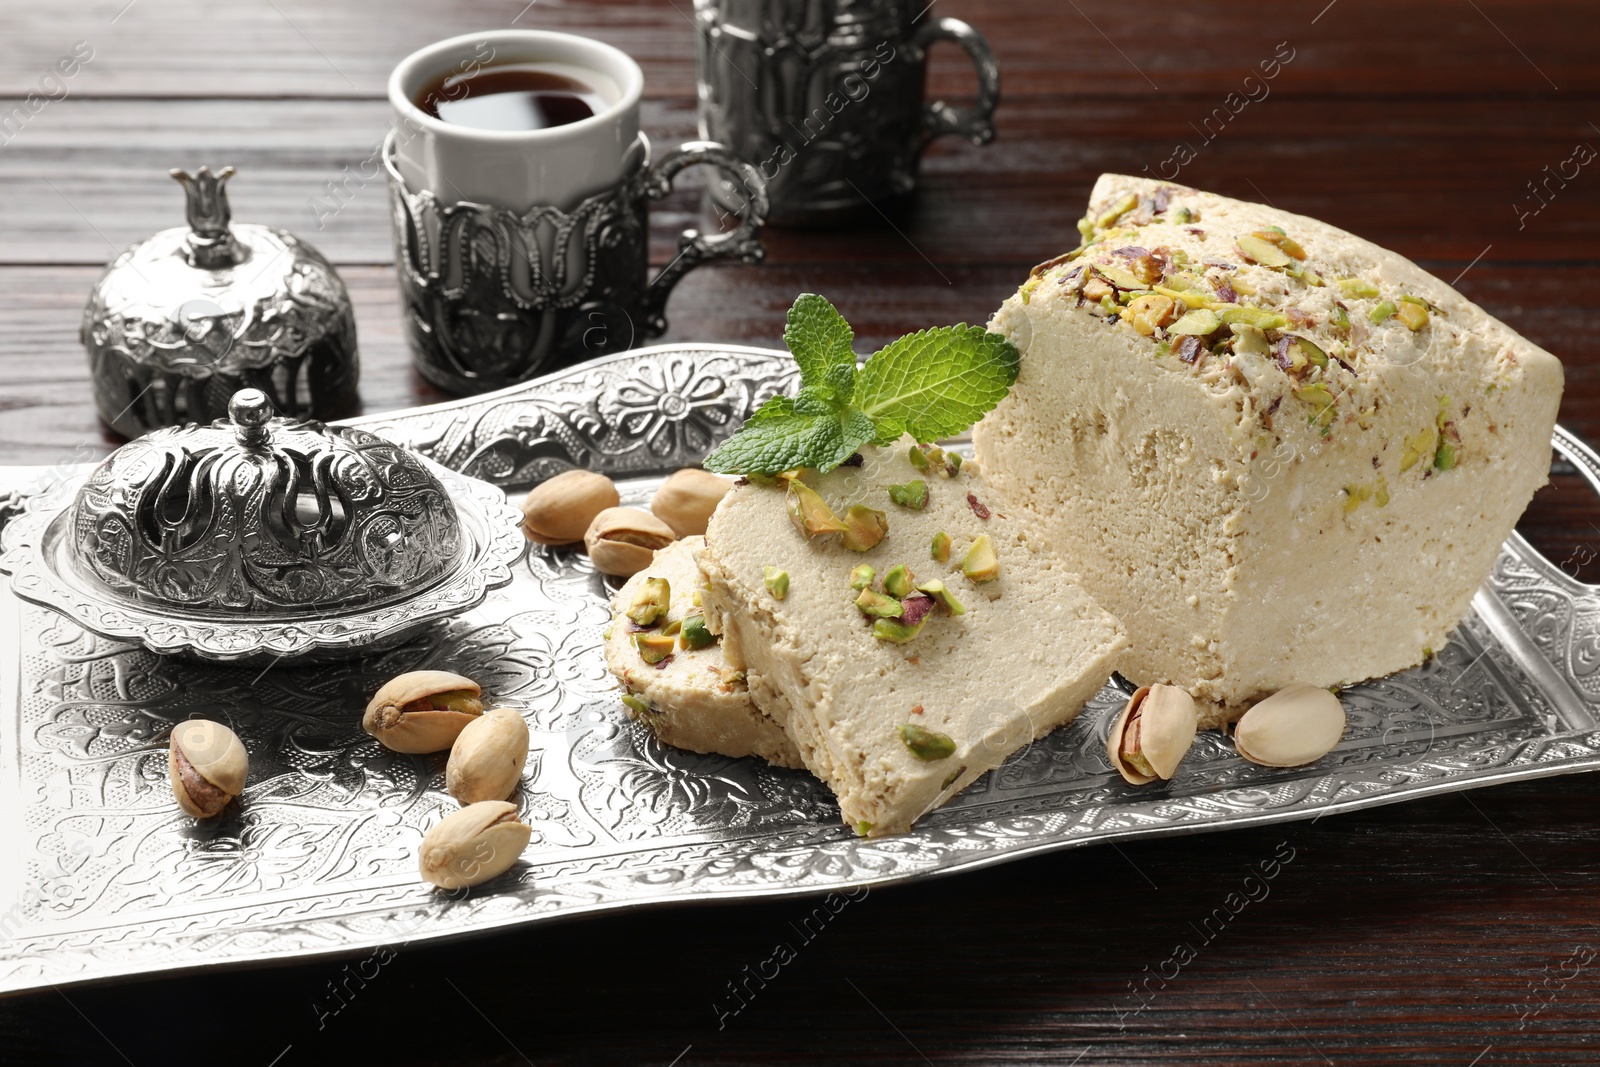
(824, 98)
(182, 321)
(262, 536)
(111, 879)
(493, 297)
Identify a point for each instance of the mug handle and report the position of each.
(694, 247)
(975, 123)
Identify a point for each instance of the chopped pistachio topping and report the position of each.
(1318, 396)
(1420, 444)
(940, 550)
(1198, 323)
(1260, 318)
(1303, 349)
(1122, 279)
(653, 648)
(1124, 274)
(898, 582)
(941, 596)
(878, 606)
(863, 828)
(1445, 457)
(1276, 236)
(1413, 314)
(1357, 287)
(864, 527)
(777, 582)
(981, 564)
(809, 512)
(694, 633)
(952, 461)
(671, 629)
(650, 603)
(861, 577)
(895, 631)
(913, 494)
(1249, 339)
(634, 704)
(1259, 250)
(1109, 218)
(927, 745)
(918, 458)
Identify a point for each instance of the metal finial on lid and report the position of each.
(180, 322)
(211, 244)
(251, 413)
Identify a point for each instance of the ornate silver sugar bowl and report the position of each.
(180, 322)
(258, 538)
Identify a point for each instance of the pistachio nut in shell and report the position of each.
(486, 760)
(622, 541)
(558, 511)
(1290, 728)
(470, 846)
(686, 500)
(422, 711)
(207, 765)
(1152, 733)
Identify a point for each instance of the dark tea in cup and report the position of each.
(512, 96)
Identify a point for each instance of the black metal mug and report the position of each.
(825, 99)
(493, 297)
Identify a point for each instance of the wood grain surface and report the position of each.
(1458, 930)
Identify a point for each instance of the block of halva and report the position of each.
(1276, 451)
(899, 711)
(690, 697)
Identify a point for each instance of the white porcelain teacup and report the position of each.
(521, 251)
(518, 169)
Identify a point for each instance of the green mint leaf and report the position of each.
(935, 383)
(780, 436)
(820, 340)
(814, 400)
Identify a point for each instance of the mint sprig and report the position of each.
(930, 384)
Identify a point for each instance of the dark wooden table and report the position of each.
(1460, 930)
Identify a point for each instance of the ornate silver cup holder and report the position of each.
(265, 540)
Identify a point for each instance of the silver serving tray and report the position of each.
(102, 876)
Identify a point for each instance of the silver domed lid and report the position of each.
(179, 322)
(263, 515)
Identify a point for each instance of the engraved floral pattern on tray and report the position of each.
(321, 856)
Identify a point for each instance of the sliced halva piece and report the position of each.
(694, 699)
(1030, 648)
(1278, 452)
